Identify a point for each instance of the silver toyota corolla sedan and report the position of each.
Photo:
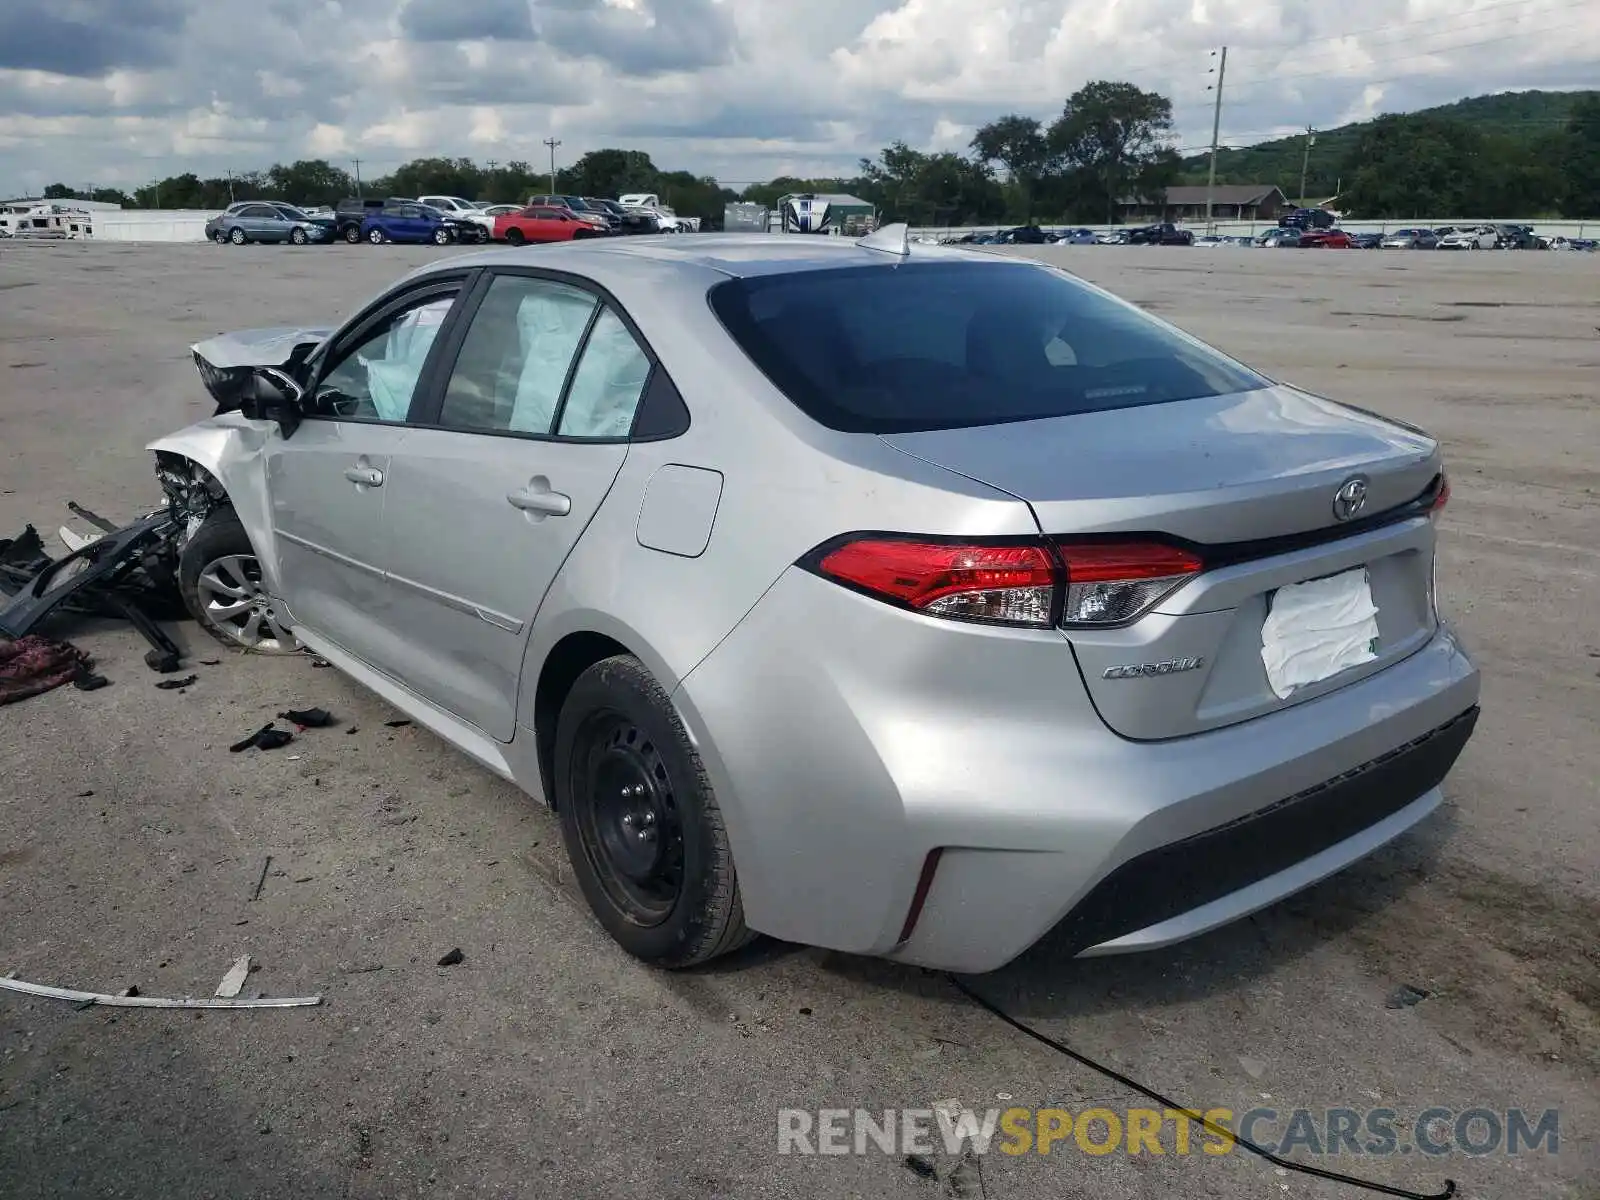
(902, 600)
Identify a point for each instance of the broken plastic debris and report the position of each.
(309, 718)
(1317, 629)
(268, 737)
(172, 685)
(233, 982)
(89, 999)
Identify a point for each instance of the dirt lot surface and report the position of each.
(549, 1064)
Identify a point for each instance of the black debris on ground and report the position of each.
(308, 718)
(268, 737)
(919, 1166)
(173, 685)
(86, 680)
(397, 724)
(455, 956)
(1406, 996)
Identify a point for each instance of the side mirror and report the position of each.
(272, 395)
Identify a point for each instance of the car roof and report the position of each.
(737, 256)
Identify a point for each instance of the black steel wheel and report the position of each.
(641, 826)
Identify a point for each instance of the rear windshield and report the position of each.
(945, 345)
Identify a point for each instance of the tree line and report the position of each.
(1111, 140)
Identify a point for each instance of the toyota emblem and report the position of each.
(1351, 498)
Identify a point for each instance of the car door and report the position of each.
(328, 481)
(488, 499)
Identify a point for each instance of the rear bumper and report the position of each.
(840, 769)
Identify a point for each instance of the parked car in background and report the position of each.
(1023, 235)
(543, 223)
(267, 221)
(1324, 239)
(1209, 241)
(625, 220)
(350, 212)
(666, 220)
(1410, 239)
(1307, 218)
(1284, 236)
(408, 221)
(1112, 237)
(1076, 237)
(1163, 234)
(463, 228)
(453, 206)
(577, 206)
(1058, 620)
(486, 215)
(1481, 237)
(1516, 237)
(1366, 241)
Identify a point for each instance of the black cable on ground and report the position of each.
(1210, 1127)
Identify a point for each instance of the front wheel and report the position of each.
(377, 237)
(352, 234)
(220, 580)
(515, 237)
(641, 825)
(237, 237)
(441, 237)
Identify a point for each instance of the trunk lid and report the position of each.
(1249, 481)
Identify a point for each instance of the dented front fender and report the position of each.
(232, 451)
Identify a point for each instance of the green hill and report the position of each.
(1512, 114)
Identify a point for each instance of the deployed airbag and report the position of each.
(1318, 628)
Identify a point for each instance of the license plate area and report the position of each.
(1317, 629)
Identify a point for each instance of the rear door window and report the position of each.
(945, 345)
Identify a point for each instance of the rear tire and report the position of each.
(352, 234)
(642, 828)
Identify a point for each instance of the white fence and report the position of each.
(151, 225)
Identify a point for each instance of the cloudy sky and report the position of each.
(117, 92)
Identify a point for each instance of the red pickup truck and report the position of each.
(541, 223)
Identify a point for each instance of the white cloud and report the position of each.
(741, 89)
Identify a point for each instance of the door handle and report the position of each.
(370, 476)
(544, 502)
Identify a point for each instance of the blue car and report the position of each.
(408, 221)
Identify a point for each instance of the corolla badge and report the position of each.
(1170, 666)
(1351, 498)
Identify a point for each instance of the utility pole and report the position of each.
(1311, 140)
(552, 143)
(230, 187)
(357, 163)
(1216, 129)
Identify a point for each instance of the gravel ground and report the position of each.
(549, 1064)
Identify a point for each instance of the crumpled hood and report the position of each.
(257, 347)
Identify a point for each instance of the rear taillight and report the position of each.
(1030, 584)
(1440, 498)
(1112, 583)
(998, 584)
